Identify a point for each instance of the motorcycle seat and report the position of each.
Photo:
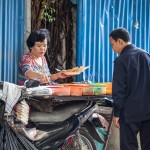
(59, 114)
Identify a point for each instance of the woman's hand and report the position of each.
(43, 78)
(62, 75)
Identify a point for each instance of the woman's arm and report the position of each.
(43, 78)
(56, 76)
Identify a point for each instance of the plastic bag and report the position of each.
(33, 134)
(39, 91)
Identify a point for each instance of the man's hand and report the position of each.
(116, 122)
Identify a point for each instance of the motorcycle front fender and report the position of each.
(93, 132)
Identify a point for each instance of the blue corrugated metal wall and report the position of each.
(11, 38)
(95, 20)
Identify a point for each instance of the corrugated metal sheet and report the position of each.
(95, 20)
(11, 38)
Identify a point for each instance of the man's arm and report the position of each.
(119, 89)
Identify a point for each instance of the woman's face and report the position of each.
(39, 49)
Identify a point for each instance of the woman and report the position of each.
(33, 65)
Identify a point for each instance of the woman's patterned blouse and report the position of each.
(28, 63)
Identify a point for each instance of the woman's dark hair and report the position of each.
(38, 36)
(120, 33)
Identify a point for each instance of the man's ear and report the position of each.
(120, 41)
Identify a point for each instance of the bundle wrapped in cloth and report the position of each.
(10, 95)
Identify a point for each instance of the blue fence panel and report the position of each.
(11, 38)
(95, 20)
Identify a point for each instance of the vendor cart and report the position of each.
(101, 100)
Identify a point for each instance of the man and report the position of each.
(131, 91)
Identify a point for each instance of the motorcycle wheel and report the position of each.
(82, 142)
(88, 142)
(72, 143)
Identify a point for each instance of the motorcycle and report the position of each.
(64, 125)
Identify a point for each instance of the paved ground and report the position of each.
(113, 143)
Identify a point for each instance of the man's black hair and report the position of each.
(38, 36)
(120, 33)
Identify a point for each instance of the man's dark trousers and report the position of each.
(128, 135)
